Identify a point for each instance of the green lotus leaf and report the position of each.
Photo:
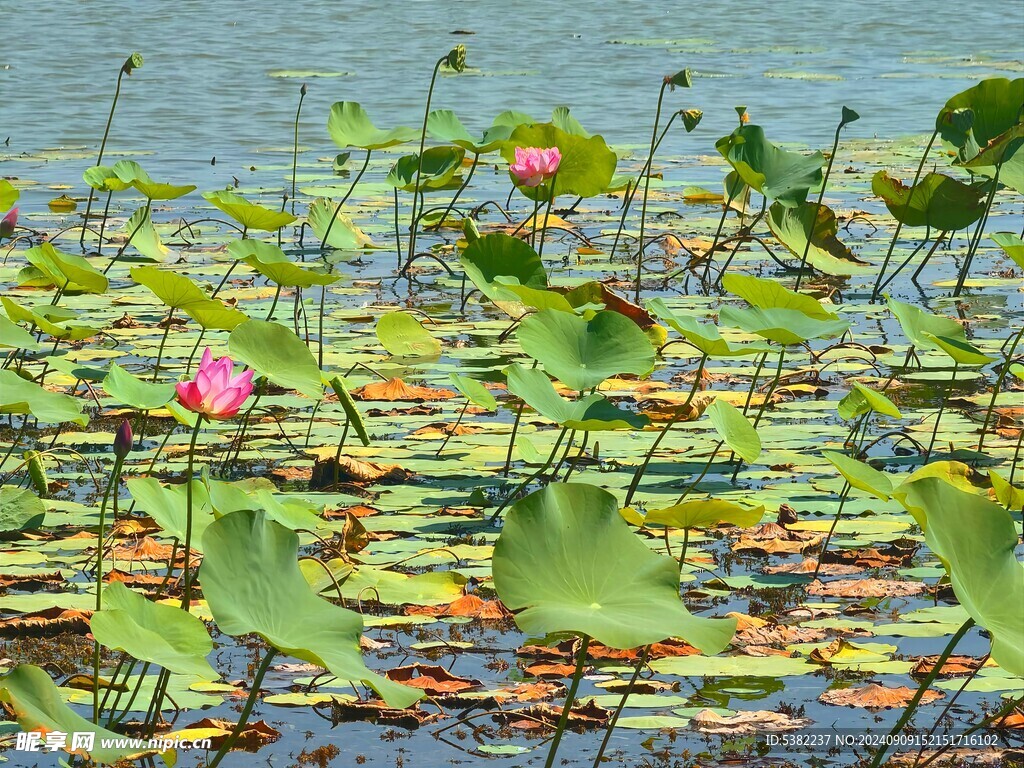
(770, 294)
(704, 513)
(172, 289)
(440, 164)
(402, 335)
(38, 705)
(936, 201)
(350, 126)
(861, 400)
(921, 328)
(1012, 244)
(514, 298)
(994, 105)
(975, 539)
(348, 404)
(566, 562)
(826, 253)
(168, 506)
(562, 119)
(583, 353)
(961, 350)
(588, 414)
(8, 195)
(344, 235)
(473, 391)
(131, 173)
(102, 178)
(13, 336)
(251, 579)
(45, 319)
(785, 177)
(276, 352)
(512, 119)
(19, 396)
(212, 315)
(20, 509)
(259, 494)
(70, 273)
(270, 261)
(164, 635)
(144, 237)
(497, 256)
(586, 167)
(364, 582)
(734, 428)
(445, 125)
(1007, 494)
(783, 326)
(134, 392)
(705, 337)
(249, 215)
(860, 475)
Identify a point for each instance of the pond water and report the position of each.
(221, 80)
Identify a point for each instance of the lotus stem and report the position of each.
(977, 234)
(579, 455)
(508, 499)
(123, 248)
(419, 163)
(112, 481)
(771, 387)
(835, 521)
(103, 147)
(452, 430)
(250, 702)
(186, 600)
(351, 189)
(899, 224)
(570, 697)
(942, 408)
(647, 188)
(707, 467)
(709, 254)
(547, 212)
(909, 711)
(103, 221)
(913, 254)
(817, 206)
(273, 305)
(1004, 369)
(163, 340)
(998, 715)
(337, 453)
(641, 662)
(459, 191)
(682, 554)
(753, 382)
(295, 145)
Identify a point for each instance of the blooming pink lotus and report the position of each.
(8, 223)
(534, 165)
(214, 392)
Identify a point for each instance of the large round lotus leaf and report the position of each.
(350, 126)
(770, 294)
(860, 475)
(164, 635)
(38, 706)
(783, 326)
(734, 428)
(826, 253)
(473, 391)
(348, 404)
(271, 262)
(702, 513)
(20, 509)
(861, 400)
(168, 506)
(251, 579)
(344, 235)
(937, 201)
(586, 167)
(566, 562)
(705, 337)
(277, 353)
(440, 164)
(13, 336)
(402, 335)
(924, 331)
(975, 539)
(67, 271)
(172, 289)
(785, 177)
(130, 172)
(249, 215)
(563, 120)
(583, 353)
(592, 413)
(1012, 243)
(135, 393)
(995, 107)
(20, 396)
(445, 125)
(500, 255)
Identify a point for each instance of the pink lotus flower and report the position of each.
(8, 223)
(214, 393)
(534, 166)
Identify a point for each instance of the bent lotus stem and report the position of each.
(1004, 369)
(519, 489)
(570, 697)
(123, 248)
(976, 241)
(899, 224)
(909, 711)
(453, 429)
(295, 144)
(647, 188)
(641, 662)
(250, 702)
(419, 159)
(351, 189)
(938, 416)
(113, 481)
(458, 192)
(703, 472)
(103, 146)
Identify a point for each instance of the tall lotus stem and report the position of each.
(250, 702)
(570, 697)
(647, 186)
(977, 234)
(131, 63)
(551, 457)
(848, 117)
(295, 145)
(641, 662)
(942, 408)
(998, 385)
(186, 599)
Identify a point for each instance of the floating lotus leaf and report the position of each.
(402, 335)
(827, 254)
(703, 513)
(70, 273)
(785, 177)
(566, 562)
(20, 509)
(350, 126)
(588, 414)
(134, 392)
(583, 353)
(936, 201)
(277, 353)
(586, 167)
(251, 579)
(734, 428)
(249, 215)
(164, 635)
(20, 396)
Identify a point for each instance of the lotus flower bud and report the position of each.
(131, 63)
(457, 58)
(123, 440)
(303, 90)
(8, 223)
